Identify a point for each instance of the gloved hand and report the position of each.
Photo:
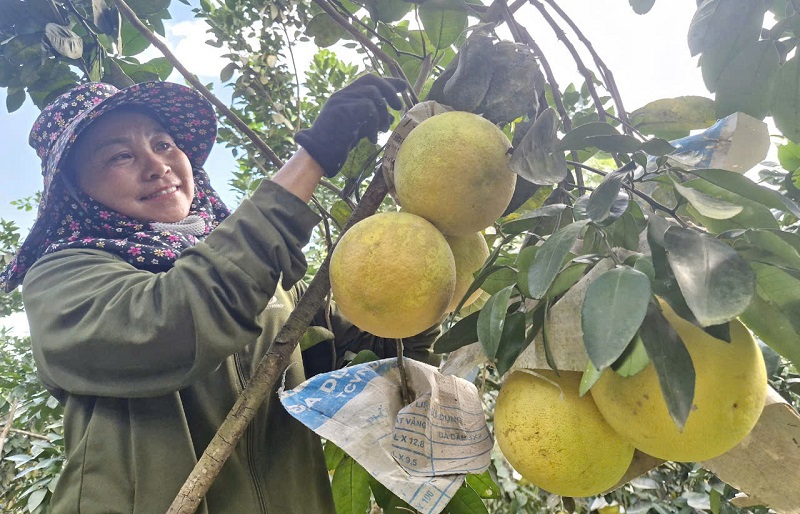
(355, 112)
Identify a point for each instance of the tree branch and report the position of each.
(10, 419)
(269, 370)
(393, 65)
(191, 79)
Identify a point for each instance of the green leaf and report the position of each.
(333, 455)
(115, 75)
(464, 332)
(536, 159)
(227, 72)
(362, 357)
(36, 498)
(578, 138)
(769, 247)
(324, 30)
(548, 218)
(589, 378)
(466, 501)
(512, 342)
(64, 40)
(549, 258)
(668, 116)
(484, 485)
(444, 21)
(633, 360)
(491, 320)
(786, 102)
(716, 282)
(748, 81)
(315, 335)
(607, 195)
(350, 485)
(360, 159)
(133, 42)
(613, 309)
(789, 156)
(781, 289)
(715, 21)
(387, 500)
(773, 326)
(341, 212)
(672, 362)
(707, 205)
(567, 278)
(615, 144)
(753, 215)
(147, 8)
(743, 186)
(106, 18)
(642, 6)
(657, 147)
(14, 99)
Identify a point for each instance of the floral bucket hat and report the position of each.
(185, 113)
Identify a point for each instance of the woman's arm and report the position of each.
(300, 175)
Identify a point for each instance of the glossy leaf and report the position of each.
(15, 99)
(462, 333)
(549, 217)
(633, 360)
(774, 326)
(549, 258)
(754, 214)
(578, 138)
(642, 6)
(350, 485)
(785, 103)
(671, 117)
(536, 159)
(389, 502)
(325, 30)
(589, 378)
(360, 159)
(606, 195)
(333, 455)
(748, 81)
(491, 320)
(657, 147)
(613, 309)
(315, 335)
(484, 485)
(716, 282)
(444, 21)
(465, 501)
(707, 205)
(672, 362)
(715, 21)
(512, 343)
(64, 40)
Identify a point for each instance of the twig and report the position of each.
(241, 125)
(6, 429)
(406, 391)
(582, 69)
(605, 72)
(393, 65)
(33, 435)
(268, 372)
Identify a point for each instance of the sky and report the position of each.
(647, 54)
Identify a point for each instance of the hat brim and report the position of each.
(186, 114)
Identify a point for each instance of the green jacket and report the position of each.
(147, 366)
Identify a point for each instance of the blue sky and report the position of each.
(647, 54)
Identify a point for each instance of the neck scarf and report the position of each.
(81, 222)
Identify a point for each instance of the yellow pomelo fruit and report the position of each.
(452, 170)
(393, 274)
(729, 393)
(555, 438)
(469, 252)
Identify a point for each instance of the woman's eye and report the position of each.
(121, 157)
(164, 145)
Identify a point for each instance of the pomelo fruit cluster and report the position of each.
(582, 446)
(397, 274)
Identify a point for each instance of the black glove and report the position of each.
(355, 112)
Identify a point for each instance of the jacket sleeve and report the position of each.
(101, 327)
(349, 338)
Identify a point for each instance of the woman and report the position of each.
(150, 304)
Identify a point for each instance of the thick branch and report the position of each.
(11, 412)
(269, 370)
(191, 79)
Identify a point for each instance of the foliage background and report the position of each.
(263, 92)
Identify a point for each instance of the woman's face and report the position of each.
(128, 162)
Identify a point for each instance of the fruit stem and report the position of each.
(406, 391)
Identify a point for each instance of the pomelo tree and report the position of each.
(596, 184)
